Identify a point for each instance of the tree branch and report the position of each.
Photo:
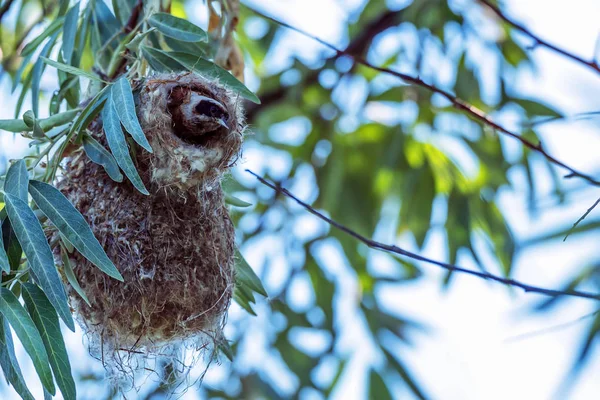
(357, 46)
(538, 41)
(405, 253)
(458, 103)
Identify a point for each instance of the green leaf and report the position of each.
(177, 28)
(98, 154)
(118, 145)
(234, 201)
(19, 125)
(69, 33)
(24, 90)
(17, 180)
(9, 362)
(134, 44)
(91, 110)
(11, 244)
(122, 97)
(29, 336)
(4, 263)
(32, 123)
(377, 387)
(243, 297)
(226, 349)
(68, 269)
(31, 236)
(70, 69)
(35, 43)
(13, 125)
(45, 319)
(58, 119)
(406, 377)
(36, 74)
(245, 275)
(198, 48)
(534, 108)
(123, 9)
(206, 67)
(160, 61)
(72, 225)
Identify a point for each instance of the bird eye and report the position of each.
(213, 110)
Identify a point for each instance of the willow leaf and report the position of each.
(118, 145)
(98, 154)
(17, 180)
(29, 336)
(30, 234)
(72, 225)
(70, 69)
(122, 97)
(9, 362)
(177, 28)
(69, 32)
(45, 319)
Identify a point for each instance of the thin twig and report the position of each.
(550, 329)
(449, 267)
(538, 41)
(584, 216)
(458, 103)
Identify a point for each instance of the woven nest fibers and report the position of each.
(175, 247)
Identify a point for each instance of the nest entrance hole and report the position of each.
(197, 119)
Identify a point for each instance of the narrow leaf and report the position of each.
(28, 334)
(206, 67)
(69, 33)
(18, 125)
(68, 269)
(11, 244)
(134, 44)
(70, 69)
(243, 298)
(245, 275)
(377, 387)
(90, 111)
(72, 225)
(33, 124)
(123, 9)
(36, 74)
(58, 119)
(9, 362)
(118, 145)
(13, 125)
(161, 61)
(31, 236)
(4, 263)
(98, 154)
(122, 97)
(34, 44)
(177, 28)
(45, 319)
(17, 180)
(234, 201)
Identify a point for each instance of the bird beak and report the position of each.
(223, 123)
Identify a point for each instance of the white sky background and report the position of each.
(466, 355)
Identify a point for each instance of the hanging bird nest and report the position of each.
(175, 247)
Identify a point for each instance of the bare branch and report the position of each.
(357, 46)
(449, 267)
(541, 42)
(458, 103)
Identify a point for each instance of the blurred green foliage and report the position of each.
(364, 169)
